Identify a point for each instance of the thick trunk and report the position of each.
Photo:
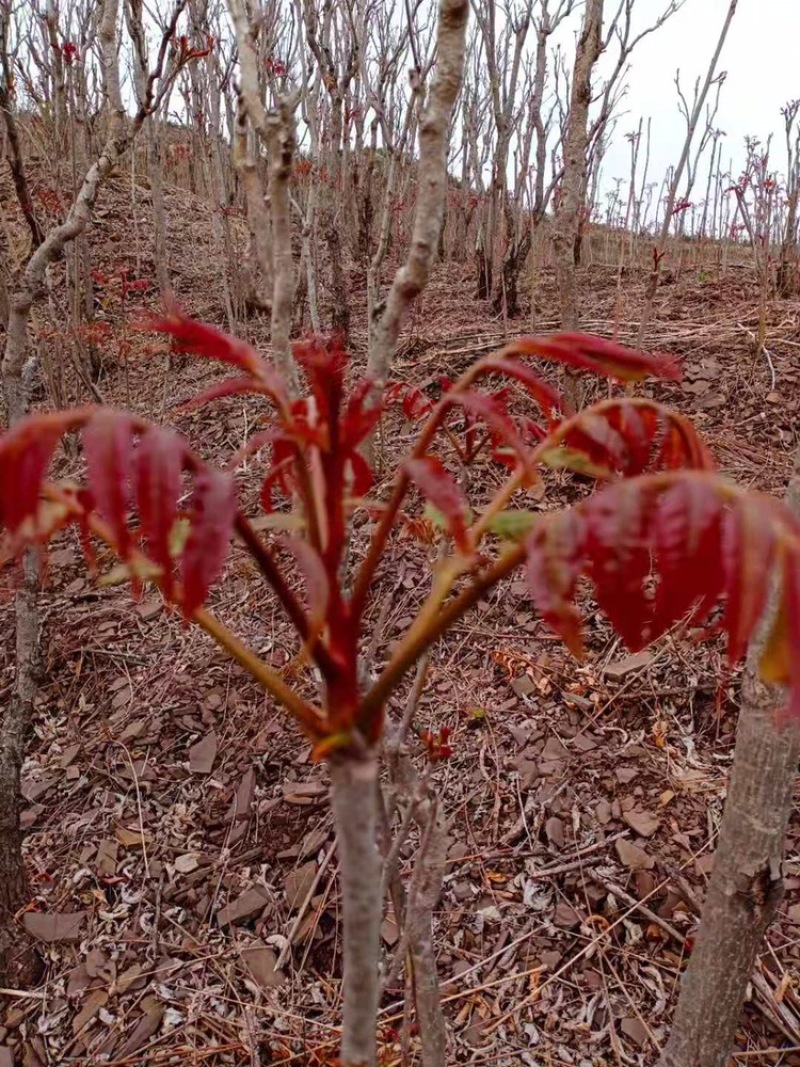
(787, 267)
(508, 295)
(18, 961)
(282, 145)
(746, 884)
(332, 224)
(354, 797)
(340, 312)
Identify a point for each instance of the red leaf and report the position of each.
(683, 447)
(588, 352)
(588, 445)
(533, 432)
(493, 412)
(638, 425)
(324, 364)
(25, 455)
(361, 473)
(230, 387)
(361, 415)
(200, 338)
(748, 552)
(438, 486)
(212, 515)
(687, 531)
(618, 547)
(627, 437)
(305, 426)
(548, 398)
(158, 469)
(416, 405)
(555, 560)
(108, 445)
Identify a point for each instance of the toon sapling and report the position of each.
(664, 537)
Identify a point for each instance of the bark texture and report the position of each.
(413, 276)
(746, 884)
(354, 797)
(431, 866)
(573, 182)
(282, 145)
(18, 960)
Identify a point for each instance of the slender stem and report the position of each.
(402, 481)
(367, 570)
(266, 564)
(417, 640)
(308, 716)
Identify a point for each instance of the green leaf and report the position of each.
(513, 525)
(279, 520)
(434, 516)
(142, 569)
(562, 458)
(178, 537)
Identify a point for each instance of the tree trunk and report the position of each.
(19, 963)
(573, 182)
(354, 798)
(431, 866)
(154, 171)
(508, 293)
(787, 266)
(746, 884)
(412, 277)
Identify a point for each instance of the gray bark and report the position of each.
(413, 276)
(354, 797)
(573, 182)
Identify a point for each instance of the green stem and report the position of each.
(306, 714)
(417, 639)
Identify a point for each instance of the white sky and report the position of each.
(762, 59)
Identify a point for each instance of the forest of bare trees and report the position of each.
(426, 190)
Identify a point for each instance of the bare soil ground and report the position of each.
(174, 814)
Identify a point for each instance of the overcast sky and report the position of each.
(762, 60)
